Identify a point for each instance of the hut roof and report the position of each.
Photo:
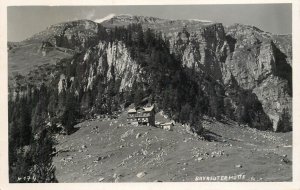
(133, 110)
(148, 109)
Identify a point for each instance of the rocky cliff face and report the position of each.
(258, 64)
(201, 45)
(111, 61)
(258, 61)
(202, 50)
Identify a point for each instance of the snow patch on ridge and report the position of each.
(105, 18)
(200, 20)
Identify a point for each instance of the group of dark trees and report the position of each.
(30, 142)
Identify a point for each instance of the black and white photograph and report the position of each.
(149, 93)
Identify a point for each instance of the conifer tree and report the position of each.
(42, 153)
(71, 113)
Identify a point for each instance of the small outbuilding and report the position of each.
(167, 126)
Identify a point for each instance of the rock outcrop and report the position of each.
(113, 62)
(75, 35)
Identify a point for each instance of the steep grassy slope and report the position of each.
(26, 57)
(112, 151)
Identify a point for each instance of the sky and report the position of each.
(24, 21)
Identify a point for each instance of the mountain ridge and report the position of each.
(206, 49)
